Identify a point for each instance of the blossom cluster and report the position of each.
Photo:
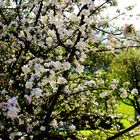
(45, 88)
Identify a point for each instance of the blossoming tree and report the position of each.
(44, 91)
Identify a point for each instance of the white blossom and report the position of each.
(29, 85)
(134, 91)
(44, 19)
(57, 21)
(69, 42)
(66, 65)
(83, 57)
(12, 112)
(113, 86)
(102, 21)
(42, 128)
(4, 91)
(13, 101)
(39, 68)
(72, 127)
(61, 80)
(1, 3)
(57, 65)
(81, 44)
(51, 33)
(116, 106)
(19, 134)
(61, 123)
(80, 69)
(66, 89)
(90, 83)
(84, 138)
(74, 18)
(49, 41)
(28, 98)
(54, 123)
(37, 92)
(123, 93)
(25, 69)
(36, 74)
(22, 138)
(115, 81)
(67, 32)
(29, 128)
(85, 12)
(21, 34)
(52, 81)
(91, 6)
(119, 115)
(103, 94)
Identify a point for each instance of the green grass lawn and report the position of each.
(127, 111)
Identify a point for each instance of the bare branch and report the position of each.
(116, 48)
(39, 12)
(96, 9)
(124, 131)
(116, 16)
(106, 31)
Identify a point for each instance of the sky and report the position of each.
(122, 4)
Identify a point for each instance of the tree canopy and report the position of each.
(45, 92)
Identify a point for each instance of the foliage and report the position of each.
(126, 66)
(98, 60)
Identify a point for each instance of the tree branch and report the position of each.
(39, 12)
(3, 16)
(58, 37)
(98, 8)
(116, 48)
(124, 131)
(106, 31)
(116, 16)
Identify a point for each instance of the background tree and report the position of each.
(126, 67)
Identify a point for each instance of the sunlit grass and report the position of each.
(128, 112)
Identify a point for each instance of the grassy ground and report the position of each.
(127, 111)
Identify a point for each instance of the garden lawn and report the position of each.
(127, 111)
